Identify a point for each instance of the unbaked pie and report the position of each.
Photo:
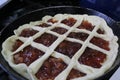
(63, 47)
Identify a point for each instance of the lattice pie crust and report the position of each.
(67, 27)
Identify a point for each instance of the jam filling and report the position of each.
(54, 66)
(50, 69)
(100, 43)
(70, 21)
(52, 21)
(17, 44)
(86, 25)
(80, 35)
(28, 32)
(27, 55)
(46, 39)
(92, 58)
(44, 25)
(59, 30)
(100, 31)
(68, 48)
(74, 74)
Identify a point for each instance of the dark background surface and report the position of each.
(16, 8)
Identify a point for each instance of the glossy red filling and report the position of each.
(50, 69)
(59, 30)
(27, 55)
(54, 66)
(75, 74)
(68, 48)
(46, 39)
(100, 31)
(44, 25)
(17, 44)
(28, 32)
(86, 25)
(70, 21)
(79, 35)
(100, 43)
(52, 21)
(92, 58)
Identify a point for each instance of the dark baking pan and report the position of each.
(38, 14)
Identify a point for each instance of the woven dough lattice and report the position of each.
(84, 45)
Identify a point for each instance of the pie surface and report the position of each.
(62, 47)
